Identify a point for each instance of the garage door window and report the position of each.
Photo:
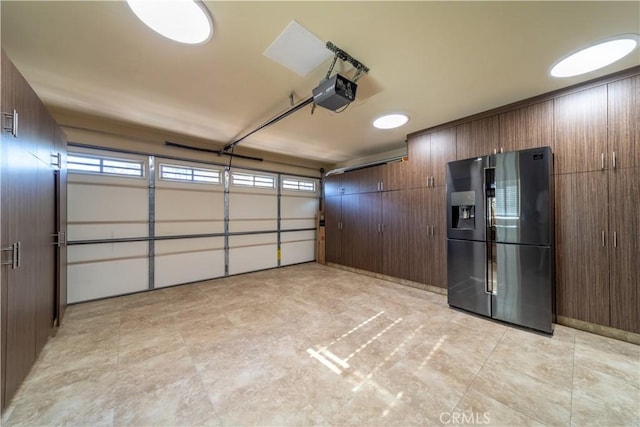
(82, 163)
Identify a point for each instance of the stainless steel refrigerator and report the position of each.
(500, 237)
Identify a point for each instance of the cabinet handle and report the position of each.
(613, 159)
(382, 227)
(604, 242)
(495, 151)
(502, 149)
(13, 260)
(382, 186)
(433, 230)
(602, 161)
(433, 181)
(12, 128)
(18, 255)
(615, 239)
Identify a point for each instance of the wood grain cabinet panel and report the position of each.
(623, 123)
(580, 140)
(395, 233)
(478, 138)
(420, 236)
(364, 180)
(30, 303)
(419, 153)
(394, 176)
(428, 155)
(361, 233)
(582, 252)
(443, 151)
(333, 225)
(624, 220)
(333, 185)
(437, 204)
(527, 127)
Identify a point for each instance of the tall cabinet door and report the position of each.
(438, 244)
(420, 234)
(361, 231)
(61, 225)
(395, 222)
(333, 232)
(624, 186)
(582, 252)
(19, 189)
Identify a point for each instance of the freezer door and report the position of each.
(524, 294)
(524, 207)
(466, 275)
(465, 199)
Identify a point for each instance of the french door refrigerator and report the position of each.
(500, 237)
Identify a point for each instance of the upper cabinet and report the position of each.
(429, 154)
(580, 121)
(394, 176)
(366, 180)
(478, 138)
(623, 128)
(527, 127)
(333, 185)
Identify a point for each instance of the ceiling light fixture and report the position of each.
(390, 121)
(184, 21)
(597, 56)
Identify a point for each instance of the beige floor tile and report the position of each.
(524, 393)
(313, 345)
(479, 409)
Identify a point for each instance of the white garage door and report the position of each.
(140, 222)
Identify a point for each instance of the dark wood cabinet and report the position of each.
(333, 229)
(527, 127)
(394, 176)
(427, 240)
(361, 231)
(478, 138)
(580, 122)
(582, 247)
(395, 232)
(624, 247)
(31, 300)
(623, 123)
(429, 154)
(333, 185)
(365, 180)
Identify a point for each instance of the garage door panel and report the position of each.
(182, 205)
(101, 203)
(188, 267)
(89, 281)
(180, 228)
(121, 230)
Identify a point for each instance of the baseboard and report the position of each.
(404, 282)
(605, 331)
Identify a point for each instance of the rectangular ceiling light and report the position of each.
(298, 49)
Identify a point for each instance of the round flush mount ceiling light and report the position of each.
(597, 56)
(390, 121)
(184, 21)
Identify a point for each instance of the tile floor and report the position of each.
(314, 345)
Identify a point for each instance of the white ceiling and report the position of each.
(435, 61)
